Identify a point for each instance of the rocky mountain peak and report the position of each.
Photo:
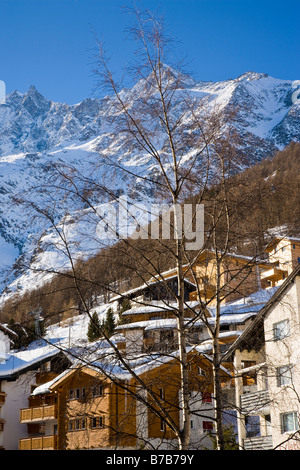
(36, 132)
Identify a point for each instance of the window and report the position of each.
(201, 372)
(284, 375)
(207, 426)
(281, 330)
(162, 424)
(97, 422)
(76, 393)
(289, 422)
(246, 364)
(97, 391)
(206, 397)
(225, 328)
(167, 336)
(77, 424)
(252, 425)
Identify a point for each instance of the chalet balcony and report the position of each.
(38, 413)
(273, 274)
(255, 403)
(258, 443)
(39, 443)
(160, 347)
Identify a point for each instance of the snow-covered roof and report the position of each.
(46, 387)
(158, 306)
(252, 303)
(17, 362)
(111, 367)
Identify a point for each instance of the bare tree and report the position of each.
(190, 156)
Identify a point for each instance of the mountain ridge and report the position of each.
(36, 132)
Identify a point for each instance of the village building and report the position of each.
(283, 256)
(20, 372)
(267, 376)
(91, 394)
(95, 409)
(94, 403)
(240, 276)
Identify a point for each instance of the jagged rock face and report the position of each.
(35, 132)
(31, 123)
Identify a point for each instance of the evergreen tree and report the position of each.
(94, 328)
(109, 324)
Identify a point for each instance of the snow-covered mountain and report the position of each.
(36, 133)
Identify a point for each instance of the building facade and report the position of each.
(267, 372)
(84, 408)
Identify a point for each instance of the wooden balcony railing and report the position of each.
(258, 443)
(253, 403)
(38, 413)
(38, 443)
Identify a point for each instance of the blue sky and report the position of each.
(49, 43)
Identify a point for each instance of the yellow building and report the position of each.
(284, 255)
(239, 276)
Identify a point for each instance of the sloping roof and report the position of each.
(159, 306)
(113, 370)
(258, 319)
(19, 362)
(146, 285)
(277, 238)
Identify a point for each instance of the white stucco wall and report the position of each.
(17, 392)
(284, 352)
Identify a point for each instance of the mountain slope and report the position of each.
(35, 133)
